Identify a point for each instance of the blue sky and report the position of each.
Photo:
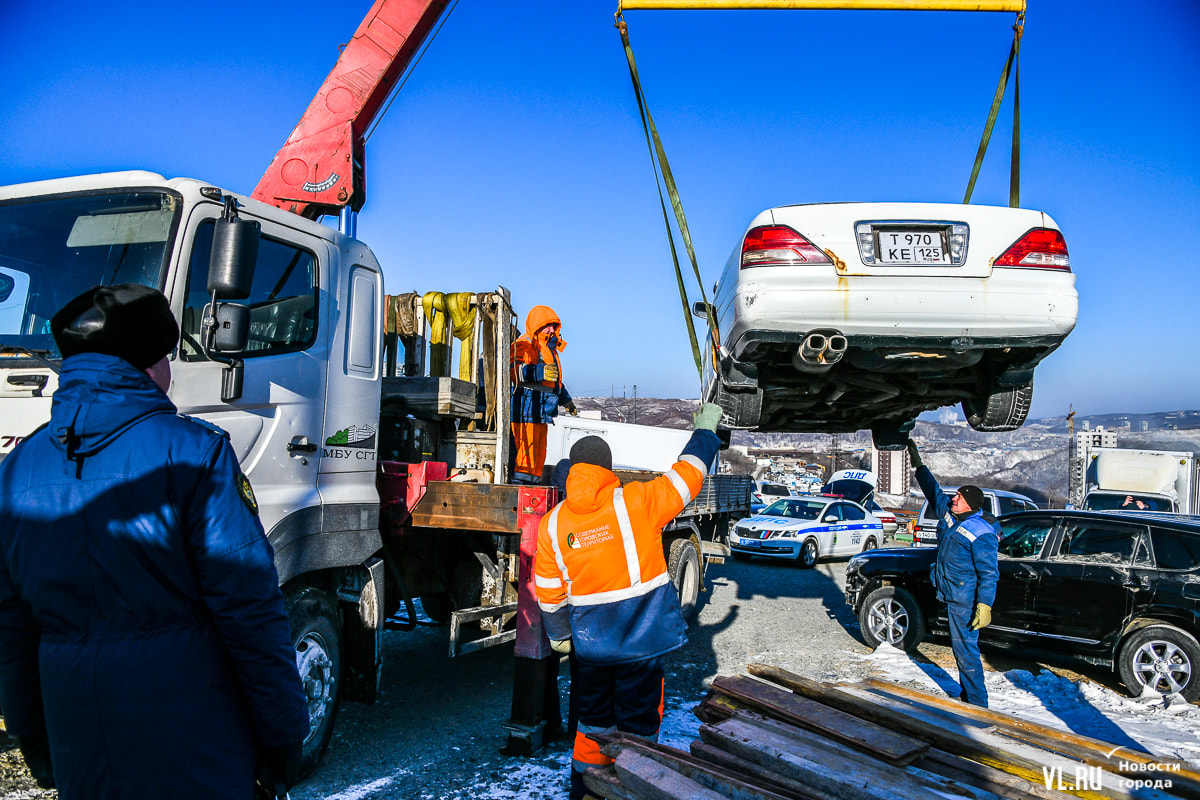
(514, 154)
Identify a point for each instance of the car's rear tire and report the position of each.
(891, 614)
(740, 409)
(683, 565)
(869, 544)
(891, 434)
(1000, 410)
(808, 554)
(1165, 658)
(316, 637)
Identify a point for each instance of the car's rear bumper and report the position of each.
(1012, 308)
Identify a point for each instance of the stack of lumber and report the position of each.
(786, 737)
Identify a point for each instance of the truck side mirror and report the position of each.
(234, 253)
(232, 329)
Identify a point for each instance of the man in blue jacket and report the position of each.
(144, 649)
(965, 572)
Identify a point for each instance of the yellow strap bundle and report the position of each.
(446, 315)
(462, 321)
(434, 305)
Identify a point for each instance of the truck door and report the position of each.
(277, 419)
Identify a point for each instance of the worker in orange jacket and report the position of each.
(537, 392)
(603, 587)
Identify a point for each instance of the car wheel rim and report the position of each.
(1162, 666)
(888, 621)
(316, 675)
(810, 554)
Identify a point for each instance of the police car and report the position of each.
(807, 528)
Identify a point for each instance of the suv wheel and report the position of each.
(808, 554)
(891, 614)
(1164, 658)
(1000, 409)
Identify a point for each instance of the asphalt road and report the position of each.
(435, 733)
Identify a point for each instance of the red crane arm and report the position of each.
(320, 168)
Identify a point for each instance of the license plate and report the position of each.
(750, 543)
(910, 246)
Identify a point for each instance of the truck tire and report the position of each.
(683, 566)
(1164, 658)
(316, 637)
(891, 614)
(1000, 410)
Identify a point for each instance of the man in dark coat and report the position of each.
(965, 572)
(144, 648)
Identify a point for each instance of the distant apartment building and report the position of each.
(891, 471)
(1077, 457)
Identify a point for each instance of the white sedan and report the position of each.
(842, 316)
(804, 529)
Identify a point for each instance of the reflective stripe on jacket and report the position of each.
(600, 574)
(966, 569)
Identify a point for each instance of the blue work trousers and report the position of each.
(965, 644)
(615, 697)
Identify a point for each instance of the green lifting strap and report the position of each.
(1014, 181)
(654, 144)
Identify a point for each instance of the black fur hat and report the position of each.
(126, 320)
(973, 495)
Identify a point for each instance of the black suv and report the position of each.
(1117, 589)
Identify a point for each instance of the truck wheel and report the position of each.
(1164, 658)
(1000, 410)
(316, 637)
(684, 569)
(891, 614)
(808, 554)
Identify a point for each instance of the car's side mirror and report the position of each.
(830, 518)
(702, 309)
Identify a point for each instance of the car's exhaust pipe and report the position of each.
(818, 352)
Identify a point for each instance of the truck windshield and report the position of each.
(52, 249)
(1126, 502)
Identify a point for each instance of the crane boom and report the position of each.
(320, 169)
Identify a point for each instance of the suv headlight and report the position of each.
(855, 564)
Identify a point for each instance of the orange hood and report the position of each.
(589, 487)
(538, 318)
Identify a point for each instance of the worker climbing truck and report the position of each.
(377, 490)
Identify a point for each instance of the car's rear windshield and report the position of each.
(794, 509)
(778, 491)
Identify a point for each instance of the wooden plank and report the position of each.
(763, 775)
(728, 784)
(821, 763)
(485, 507)
(1183, 776)
(716, 707)
(967, 771)
(880, 741)
(650, 780)
(602, 782)
(968, 742)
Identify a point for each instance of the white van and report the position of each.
(995, 502)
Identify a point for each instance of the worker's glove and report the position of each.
(35, 748)
(561, 646)
(571, 408)
(550, 373)
(707, 418)
(914, 455)
(279, 768)
(982, 617)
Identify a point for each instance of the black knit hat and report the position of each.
(973, 495)
(126, 320)
(592, 450)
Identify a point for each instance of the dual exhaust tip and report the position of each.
(818, 352)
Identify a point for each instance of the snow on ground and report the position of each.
(1167, 727)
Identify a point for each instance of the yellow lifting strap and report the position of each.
(654, 143)
(446, 315)
(1013, 66)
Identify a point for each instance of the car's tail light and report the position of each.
(1040, 248)
(779, 245)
